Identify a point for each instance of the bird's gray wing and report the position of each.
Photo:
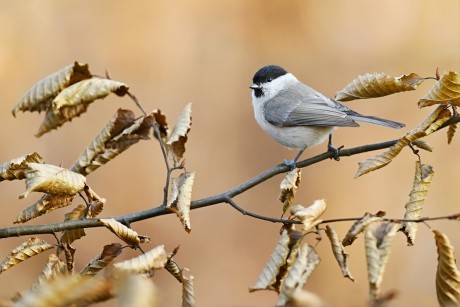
(307, 108)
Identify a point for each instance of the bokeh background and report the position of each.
(206, 52)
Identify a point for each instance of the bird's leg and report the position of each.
(335, 150)
(292, 163)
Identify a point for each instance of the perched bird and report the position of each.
(297, 116)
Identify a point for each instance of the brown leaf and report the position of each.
(447, 274)
(358, 227)
(52, 179)
(54, 120)
(137, 290)
(41, 95)
(451, 132)
(117, 136)
(26, 250)
(378, 85)
(302, 298)
(289, 187)
(15, 169)
(339, 252)
(422, 145)
(178, 137)
(42, 206)
(102, 260)
(378, 240)
(54, 268)
(309, 216)
(69, 253)
(306, 262)
(438, 117)
(160, 120)
(181, 195)
(188, 290)
(445, 91)
(69, 236)
(152, 260)
(126, 234)
(422, 179)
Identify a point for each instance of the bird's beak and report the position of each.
(255, 86)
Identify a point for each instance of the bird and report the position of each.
(297, 116)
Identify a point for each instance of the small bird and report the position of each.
(297, 116)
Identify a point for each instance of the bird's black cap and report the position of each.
(268, 73)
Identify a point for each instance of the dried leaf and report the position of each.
(102, 260)
(29, 248)
(306, 262)
(289, 187)
(53, 180)
(428, 126)
(181, 195)
(173, 268)
(44, 205)
(422, 145)
(302, 298)
(447, 274)
(137, 290)
(309, 216)
(451, 132)
(378, 240)
(188, 290)
(54, 268)
(126, 234)
(69, 236)
(154, 259)
(445, 91)
(339, 252)
(378, 85)
(358, 227)
(41, 95)
(117, 136)
(178, 137)
(422, 179)
(54, 120)
(69, 253)
(15, 169)
(160, 120)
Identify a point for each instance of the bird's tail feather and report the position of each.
(378, 121)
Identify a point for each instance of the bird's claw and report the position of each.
(335, 151)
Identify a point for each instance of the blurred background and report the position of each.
(206, 52)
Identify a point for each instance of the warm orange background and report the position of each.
(206, 52)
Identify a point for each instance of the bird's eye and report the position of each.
(269, 80)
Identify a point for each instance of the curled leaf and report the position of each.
(358, 227)
(160, 120)
(309, 216)
(126, 234)
(154, 259)
(102, 260)
(41, 95)
(188, 290)
(339, 252)
(422, 145)
(181, 195)
(422, 179)
(136, 290)
(178, 137)
(378, 240)
(52, 179)
(15, 169)
(446, 90)
(378, 85)
(447, 274)
(69, 236)
(42, 206)
(54, 268)
(289, 187)
(451, 132)
(303, 298)
(26, 250)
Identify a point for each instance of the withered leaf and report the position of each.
(178, 137)
(160, 120)
(15, 169)
(136, 290)
(447, 274)
(289, 187)
(27, 249)
(52, 179)
(42, 206)
(339, 252)
(373, 85)
(422, 179)
(153, 259)
(69, 236)
(445, 90)
(378, 240)
(422, 145)
(188, 290)
(309, 216)
(451, 132)
(54, 268)
(303, 298)
(181, 195)
(126, 234)
(69, 253)
(306, 262)
(358, 227)
(102, 260)
(41, 95)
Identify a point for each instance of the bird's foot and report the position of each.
(335, 151)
